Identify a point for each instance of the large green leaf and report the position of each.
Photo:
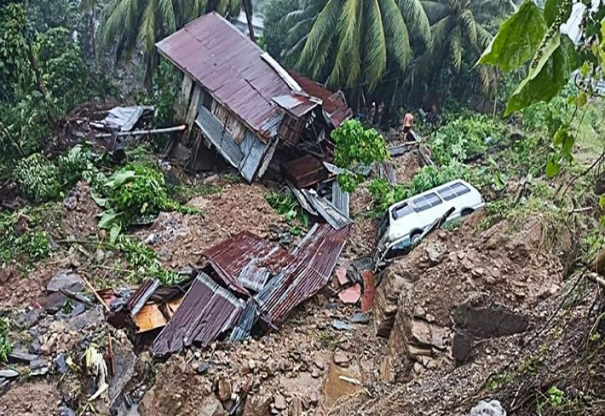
(517, 40)
(553, 7)
(545, 84)
(108, 219)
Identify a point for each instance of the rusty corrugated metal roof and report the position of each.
(334, 104)
(207, 311)
(230, 66)
(316, 257)
(247, 260)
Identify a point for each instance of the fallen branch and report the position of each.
(182, 127)
(94, 292)
(586, 172)
(598, 279)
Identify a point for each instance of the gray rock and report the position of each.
(9, 374)
(20, 356)
(341, 358)
(65, 279)
(38, 368)
(66, 411)
(280, 402)
(35, 347)
(54, 302)
(61, 364)
(493, 408)
(28, 319)
(202, 368)
(361, 318)
(5, 386)
(341, 326)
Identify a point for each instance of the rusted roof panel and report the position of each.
(334, 103)
(206, 312)
(230, 66)
(297, 105)
(247, 260)
(138, 299)
(305, 171)
(316, 257)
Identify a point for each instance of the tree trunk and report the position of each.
(247, 4)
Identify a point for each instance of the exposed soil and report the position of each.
(30, 399)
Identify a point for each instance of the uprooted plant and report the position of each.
(135, 194)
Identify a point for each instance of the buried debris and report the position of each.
(248, 282)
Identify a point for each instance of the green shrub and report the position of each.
(145, 262)
(287, 206)
(75, 165)
(463, 137)
(38, 178)
(356, 148)
(5, 345)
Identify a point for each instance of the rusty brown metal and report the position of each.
(316, 258)
(207, 311)
(305, 171)
(231, 68)
(334, 104)
(247, 260)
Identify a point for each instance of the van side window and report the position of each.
(427, 201)
(401, 211)
(453, 191)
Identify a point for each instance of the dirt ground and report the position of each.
(309, 366)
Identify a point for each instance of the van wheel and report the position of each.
(466, 212)
(415, 237)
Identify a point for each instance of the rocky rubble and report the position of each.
(436, 304)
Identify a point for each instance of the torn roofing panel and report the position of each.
(206, 312)
(246, 321)
(334, 104)
(316, 257)
(142, 295)
(296, 105)
(327, 210)
(247, 260)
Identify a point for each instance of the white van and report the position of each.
(404, 222)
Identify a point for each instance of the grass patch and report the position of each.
(287, 206)
(185, 193)
(328, 340)
(6, 347)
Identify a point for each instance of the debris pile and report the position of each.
(440, 301)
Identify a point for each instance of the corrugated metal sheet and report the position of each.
(316, 257)
(340, 199)
(297, 105)
(206, 312)
(253, 150)
(247, 260)
(327, 210)
(334, 105)
(230, 66)
(214, 130)
(246, 321)
(142, 295)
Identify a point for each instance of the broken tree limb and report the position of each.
(182, 127)
(598, 263)
(94, 292)
(598, 279)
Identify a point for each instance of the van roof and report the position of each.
(435, 189)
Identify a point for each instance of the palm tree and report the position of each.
(458, 28)
(126, 23)
(351, 42)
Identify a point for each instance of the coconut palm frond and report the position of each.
(467, 20)
(347, 65)
(167, 16)
(416, 19)
(147, 28)
(398, 39)
(435, 10)
(456, 47)
(375, 48)
(314, 53)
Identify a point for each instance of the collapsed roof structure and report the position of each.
(238, 99)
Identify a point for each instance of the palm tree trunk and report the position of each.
(247, 5)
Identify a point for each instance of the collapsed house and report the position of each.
(239, 100)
